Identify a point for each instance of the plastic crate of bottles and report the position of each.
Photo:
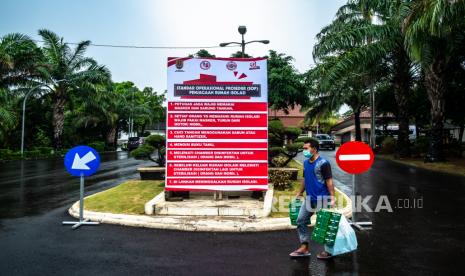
(326, 227)
(294, 209)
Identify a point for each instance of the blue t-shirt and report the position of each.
(316, 173)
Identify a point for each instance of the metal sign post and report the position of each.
(355, 158)
(363, 225)
(81, 221)
(81, 161)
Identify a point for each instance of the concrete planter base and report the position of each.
(152, 173)
(198, 223)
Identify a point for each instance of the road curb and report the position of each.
(197, 223)
(187, 223)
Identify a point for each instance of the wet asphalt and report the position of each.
(34, 197)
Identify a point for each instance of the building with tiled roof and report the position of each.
(294, 118)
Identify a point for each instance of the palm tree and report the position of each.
(18, 57)
(8, 116)
(327, 97)
(101, 109)
(434, 35)
(286, 85)
(65, 71)
(152, 111)
(368, 34)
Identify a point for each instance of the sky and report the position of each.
(291, 27)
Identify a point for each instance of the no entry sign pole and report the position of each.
(81, 161)
(355, 158)
(362, 225)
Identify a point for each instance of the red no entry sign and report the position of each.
(355, 157)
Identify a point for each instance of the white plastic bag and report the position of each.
(346, 241)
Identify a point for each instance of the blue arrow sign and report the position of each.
(82, 160)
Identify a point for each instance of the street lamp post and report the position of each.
(24, 113)
(373, 118)
(24, 116)
(242, 30)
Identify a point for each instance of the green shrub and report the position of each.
(388, 146)
(276, 127)
(156, 141)
(281, 179)
(16, 155)
(279, 161)
(146, 133)
(5, 154)
(275, 151)
(294, 148)
(274, 141)
(143, 152)
(44, 150)
(98, 146)
(301, 139)
(152, 143)
(42, 139)
(454, 149)
(421, 145)
(293, 132)
(32, 154)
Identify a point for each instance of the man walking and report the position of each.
(319, 188)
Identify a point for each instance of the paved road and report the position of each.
(33, 187)
(422, 241)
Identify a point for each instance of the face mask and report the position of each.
(307, 154)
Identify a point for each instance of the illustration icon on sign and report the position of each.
(82, 160)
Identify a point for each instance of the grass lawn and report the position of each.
(126, 198)
(453, 165)
(130, 197)
(295, 164)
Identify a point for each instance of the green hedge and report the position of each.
(98, 146)
(293, 132)
(388, 146)
(35, 153)
(281, 179)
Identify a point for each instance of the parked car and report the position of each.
(325, 141)
(135, 142)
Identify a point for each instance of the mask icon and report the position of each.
(307, 154)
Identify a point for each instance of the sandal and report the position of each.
(297, 254)
(324, 256)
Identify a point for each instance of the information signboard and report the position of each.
(217, 124)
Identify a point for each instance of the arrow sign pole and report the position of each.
(81, 198)
(79, 166)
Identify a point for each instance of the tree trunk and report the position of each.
(435, 86)
(58, 121)
(143, 129)
(462, 129)
(401, 82)
(358, 130)
(110, 137)
(115, 141)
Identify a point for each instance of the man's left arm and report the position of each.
(330, 185)
(328, 177)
